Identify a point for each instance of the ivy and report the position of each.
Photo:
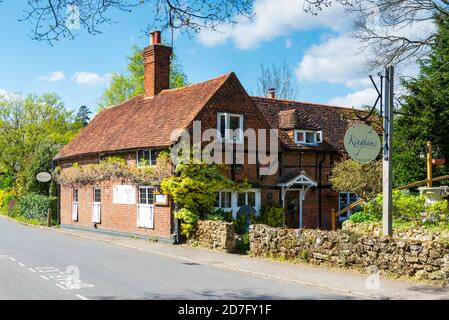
(114, 168)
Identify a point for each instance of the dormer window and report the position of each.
(230, 127)
(146, 157)
(308, 136)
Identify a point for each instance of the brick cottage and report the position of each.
(310, 140)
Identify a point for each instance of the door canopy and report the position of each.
(301, 182)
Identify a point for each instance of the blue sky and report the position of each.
(318, 50)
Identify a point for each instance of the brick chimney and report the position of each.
(272, 93)
(157, 66)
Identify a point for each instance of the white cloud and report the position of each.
(338, 60)
(54, 76)
(357, 99)
(272, 19)
(90, 78)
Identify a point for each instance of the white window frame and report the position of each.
(234, 201)
(227, 137)
(150, 164)
(318, 136)
(75, 204)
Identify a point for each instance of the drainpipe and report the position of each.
(320, 174)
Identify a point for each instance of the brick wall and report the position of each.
(116, 217)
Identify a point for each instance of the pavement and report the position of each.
(113, 267)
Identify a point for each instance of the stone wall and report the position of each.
(215, 235)
(424, 260)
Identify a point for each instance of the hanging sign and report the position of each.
(362, 143)
(43, 177)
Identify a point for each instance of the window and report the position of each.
(224, 200)
(146, 195)
(246, 198)
(97, 195)
(102, 157)
(230, 127)
(345, 199)
(75, 195)
(146, 157)
(308, 137)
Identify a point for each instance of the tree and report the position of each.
(364, 179)
(29, 123)
(424, 114)
(55, 20)
(130, 84)
(194, 189)
(384, 26)
(83, 115)
(279, 78)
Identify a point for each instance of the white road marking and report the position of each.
(21, 264)
(32, 270)
(44, 277)
(81, 297)
(12, 259)
(62, 287)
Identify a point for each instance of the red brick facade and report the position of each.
(147, 121)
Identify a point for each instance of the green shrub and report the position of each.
(271, 215)
(241, 224)
(361, 216)
(220, 215)
(406, 206)
(243, 243)
(188, 221)
(439, 208)
(34, 207)
(7, 200)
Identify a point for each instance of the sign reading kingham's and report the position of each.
(362, 143)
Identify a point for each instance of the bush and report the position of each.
(220, 215)
(34, 207)
(243, 243)
(240, 223)
(7, 200)
(272, 215)
(188, 221)
(439, 208)
(361, 216)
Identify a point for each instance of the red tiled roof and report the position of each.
(333, 121)
(142, 122)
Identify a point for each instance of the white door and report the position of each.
(75, 205)
(96, 206)
(145, 208)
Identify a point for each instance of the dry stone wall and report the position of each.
(424, 260)
(216, 235)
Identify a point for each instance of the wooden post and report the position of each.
(334, 220)
(49, 218)
(429, 164)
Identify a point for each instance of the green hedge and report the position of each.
(34, 207)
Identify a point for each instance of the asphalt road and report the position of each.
(41, 264)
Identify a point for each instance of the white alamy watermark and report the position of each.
(231, 147)
(373, 280)
(72, 20)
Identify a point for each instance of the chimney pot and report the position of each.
(272, 93)
(155, 37)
